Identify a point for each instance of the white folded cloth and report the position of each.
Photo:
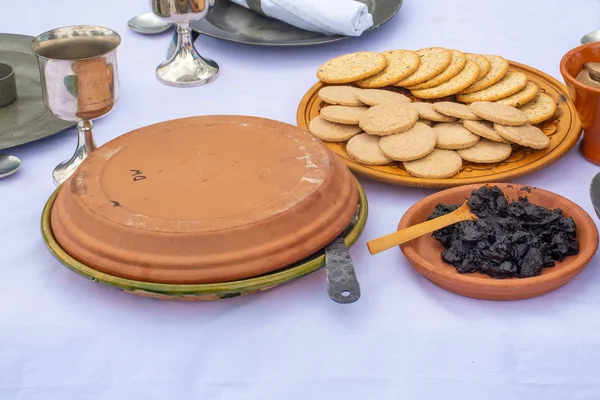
(330, 17)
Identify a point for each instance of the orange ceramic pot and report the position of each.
(585, 98)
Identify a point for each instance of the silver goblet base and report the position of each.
(187, 68)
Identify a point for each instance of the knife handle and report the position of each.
(342, 284)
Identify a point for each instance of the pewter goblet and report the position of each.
(186, 67)
(79, 76)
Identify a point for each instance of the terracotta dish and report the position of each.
(204, 200)
(564, 131)
(424, 253)
(199, 291)
(586, 98)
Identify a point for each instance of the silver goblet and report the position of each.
(186, 67)
(79, 77)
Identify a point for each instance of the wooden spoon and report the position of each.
(463, 213)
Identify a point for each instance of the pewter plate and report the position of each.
(27, 119)
(229, 21)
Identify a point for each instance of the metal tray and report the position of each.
(27, 119)
(229, 21)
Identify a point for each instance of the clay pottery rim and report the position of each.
(570, 78)
(482, 286)
(214, 291)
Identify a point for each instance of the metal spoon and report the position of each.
(593, 36)
(148, 24)
(8, 165)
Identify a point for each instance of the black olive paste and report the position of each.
(509, 239)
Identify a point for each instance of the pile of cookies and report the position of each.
(469, 107)
(431, 140)
(437, 73)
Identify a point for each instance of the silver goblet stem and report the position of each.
(186, 68)
(85, 146)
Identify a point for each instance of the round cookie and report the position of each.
(427, 111)
(512, 83)
(464, 78)
(499, 113)
(455, 110)
(413, 144)
(499, 68)
(400, 64)
(526, 135)
(525, 95)
(453, 136)
(485, 129)
(484, 64)
(365, 149)
(434, 60)
(373, 97)
(343, 114)
(486, 152)
(327, 131)
(388, 119)
(351, 67)
(540, 109)
(456, 65)
(437, 164)
(341, 95)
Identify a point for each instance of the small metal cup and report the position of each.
(8, 85)
(79, 75)
(186, 67)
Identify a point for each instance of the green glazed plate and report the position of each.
(213, 291)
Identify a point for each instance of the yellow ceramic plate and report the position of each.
(200, 291)
(564, 131)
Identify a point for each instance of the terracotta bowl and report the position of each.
(585, 98)
(204, 200)
(424, 253)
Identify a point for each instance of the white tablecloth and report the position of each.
(65, 337)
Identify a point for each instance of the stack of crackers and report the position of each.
(381, 124)
(436, 73)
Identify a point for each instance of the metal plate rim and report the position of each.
(204, 27)
(46, 123)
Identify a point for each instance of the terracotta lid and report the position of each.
(204, 200)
